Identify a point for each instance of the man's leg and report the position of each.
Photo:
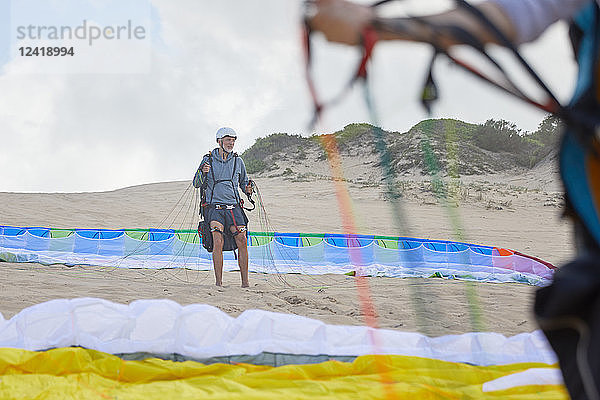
(217, 253)
(242, 244)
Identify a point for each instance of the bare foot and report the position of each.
(219, 284)
(245, 284)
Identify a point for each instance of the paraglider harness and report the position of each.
(568, 310)
(204, 229)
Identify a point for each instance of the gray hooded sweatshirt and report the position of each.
(222, 179)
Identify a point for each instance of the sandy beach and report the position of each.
(518, 211)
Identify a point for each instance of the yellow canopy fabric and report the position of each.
(77, 373)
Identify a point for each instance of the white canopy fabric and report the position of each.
(201, 331)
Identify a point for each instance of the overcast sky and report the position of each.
(209, 64)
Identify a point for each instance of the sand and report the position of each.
(519, 211)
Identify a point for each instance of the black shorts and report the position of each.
(228, 218)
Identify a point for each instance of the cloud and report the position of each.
(225, 63)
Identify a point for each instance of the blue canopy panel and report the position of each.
(98, 241)
(349, 249)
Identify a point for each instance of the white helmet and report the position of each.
(222, 132)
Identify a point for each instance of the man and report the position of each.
(569, 309)
(220, 173)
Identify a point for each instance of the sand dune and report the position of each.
(521, 212)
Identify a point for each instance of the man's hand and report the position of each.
(341, 21)
(249, 189)
(206, 168)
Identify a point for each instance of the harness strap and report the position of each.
(216, 181)
(205, 203)
(237, 230)
(369, 38)
(221, 206)
(204, 184)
